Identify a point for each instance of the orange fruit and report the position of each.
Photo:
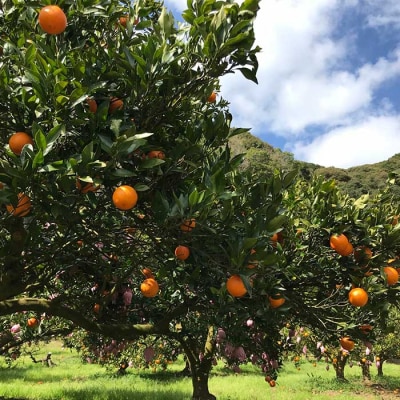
(362, 254)
(347, 343)
(346, 251)
(366, 329)
(392, 276)
(277, 238)
(18, 140)
(272, 383)
(92, 105)
(85, 187)
(124, 197)
(235, 286)
(395, 220)
(32, 322)
(147, 272)
(123, 21)
(182, 252)
(276, 301)
(115, 104)
(188, 225)
(149, 287)
(212, 98)
(96, 308)
(341, 244)
(358, 297)
(156, 154)
(52, 20)
(23, 207)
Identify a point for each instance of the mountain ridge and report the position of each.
(262, 158)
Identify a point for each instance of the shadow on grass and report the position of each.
(124, 394)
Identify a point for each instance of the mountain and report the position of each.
(262, 158)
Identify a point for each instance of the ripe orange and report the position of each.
(32, 322)
(115, 104)
(85, 187)
(346, 251)
(149, 287)
(392, 276)
(277, 238)
(347, 343)
(182, 252)
(366, 329)
(156, 154)
(188, 225)
(341, 244)
(123, 21)
(147, 272)
(235, 286)
(23, 207)
(124, 197)
(358, 297)
(52, 20)
(18, 140)
(272, 383)
(212, 98)
(92, 105)
(276, 300)
(96, 308)
(362, 254)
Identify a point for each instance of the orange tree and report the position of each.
(334, 270)
(123, 158)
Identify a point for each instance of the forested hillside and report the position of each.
(263, 159)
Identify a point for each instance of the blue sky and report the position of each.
(329, 80)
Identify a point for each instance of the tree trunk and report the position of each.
(200, 367)
(200, 384)
(379, 366)
(341, 360)
(366, 373)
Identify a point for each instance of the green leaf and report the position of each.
(40, 140)
(275, 223)
(52, 137)
(151, 163)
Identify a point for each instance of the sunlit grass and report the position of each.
(72, 380)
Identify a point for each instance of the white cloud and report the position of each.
(371, 140)
(308, 84)
(383, 13)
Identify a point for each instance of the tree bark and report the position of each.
(341, 360)
(366, 373)
(379, 366)
(200, 368)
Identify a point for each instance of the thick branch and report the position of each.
(116, 331)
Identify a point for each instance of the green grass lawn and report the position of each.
(72, 380)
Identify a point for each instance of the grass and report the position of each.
(72, 380)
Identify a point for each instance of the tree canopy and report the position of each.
(125, 157)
